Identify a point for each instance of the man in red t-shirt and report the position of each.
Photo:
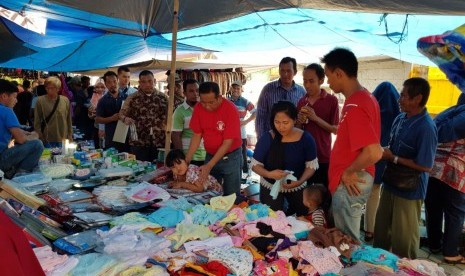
(216, 120)
(357, 147)
(318, 115)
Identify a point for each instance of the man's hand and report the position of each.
(128, 121)
(204, 173)
(351, 180)
(115, 117)
(311, 114)
(387, 154)
(31, 135)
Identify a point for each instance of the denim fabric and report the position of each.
(22, 157)
(444, 201)
(50, 145)
(347, 210)
(228, 171)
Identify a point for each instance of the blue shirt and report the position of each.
(272, 93)
(8, 120)
(414, 138)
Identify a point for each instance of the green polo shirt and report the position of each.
(181, 119)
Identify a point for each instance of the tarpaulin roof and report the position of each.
(87, 34)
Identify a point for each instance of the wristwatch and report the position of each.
(396, 158)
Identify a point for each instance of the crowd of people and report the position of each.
(384, 137)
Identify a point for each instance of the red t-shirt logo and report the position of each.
(220, 125)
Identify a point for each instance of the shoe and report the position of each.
(368, 236)
(435, 250)
(459, 261)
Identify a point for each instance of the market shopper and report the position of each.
(319, 115)
(146, 112)
(357, 147)
(98, 91)
(410, 157)
(108, 109)
(387, 96)
(243, 107)
(285, 150)
(26, 152)
(216, 120)
(124, 79)
(283, 89)
(52, 115)
(181, 133)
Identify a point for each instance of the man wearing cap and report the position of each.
(243, 106)
(26, 153)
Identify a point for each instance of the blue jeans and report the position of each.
(228, 171)
(24, 157)
(442, 201)
(347, 210)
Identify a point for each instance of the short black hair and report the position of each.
(418, 86)
(174, 156)
(145, 73)
(85, 78)
(287, 60)
(7, 87)
(320, 72)
(187, 82)
(208, 87)
(26, 84)
(109, 74)
(343, 59)
(123, 69)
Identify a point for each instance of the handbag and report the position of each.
(44, 122)
(402, 177)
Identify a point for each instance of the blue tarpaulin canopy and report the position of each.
(86, 34)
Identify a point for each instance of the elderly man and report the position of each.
(412, 145)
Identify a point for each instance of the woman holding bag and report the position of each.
(282, 150)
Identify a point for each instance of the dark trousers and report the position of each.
(245, 166)
(197, 163)
(442, 201)
(321, 175)
(149, 154)
(295, 201)
(228, 171)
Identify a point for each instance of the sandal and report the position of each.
(459, 261)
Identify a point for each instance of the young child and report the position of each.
(314, 199)
(185, 177)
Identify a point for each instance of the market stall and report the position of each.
(93, 212)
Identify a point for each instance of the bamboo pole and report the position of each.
(174, 37)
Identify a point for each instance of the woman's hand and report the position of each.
(291, 184)
(277, 174)
(174, 185)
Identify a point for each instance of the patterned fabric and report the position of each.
(446, 51)
(149, 112)
(317, 217)
(192, 175)
(449, 164)
(238, 260)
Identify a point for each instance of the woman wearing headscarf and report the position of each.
(387, 96)
(99, 90)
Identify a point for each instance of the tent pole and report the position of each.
(171, 77)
